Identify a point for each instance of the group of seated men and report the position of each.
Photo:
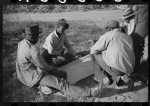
(114, 53)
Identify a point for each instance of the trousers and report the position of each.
(56, 60)
(110, 72)
(63, 86)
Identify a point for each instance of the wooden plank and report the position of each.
(78, 69)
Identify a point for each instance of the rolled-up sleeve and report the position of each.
(101, 44)
(68, 46)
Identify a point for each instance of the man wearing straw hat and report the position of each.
(140, 37)
(129, 17)
(32, 70)
(114, 55)
(137, 28)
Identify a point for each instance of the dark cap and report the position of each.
(63, 22)
(32, 28)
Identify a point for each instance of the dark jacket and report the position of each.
(142, 21)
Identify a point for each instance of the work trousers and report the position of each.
(104, 69)
(63, 86)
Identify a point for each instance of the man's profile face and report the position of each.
(127, 20)
(34, 37)
(60, 29)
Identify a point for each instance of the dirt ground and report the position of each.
(80, 35)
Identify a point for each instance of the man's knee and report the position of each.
(49, 80)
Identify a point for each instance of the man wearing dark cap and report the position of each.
(55, 43)
(32, 70)
(114, 55)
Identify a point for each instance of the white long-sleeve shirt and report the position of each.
(117, 50)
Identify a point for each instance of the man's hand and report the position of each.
(64, 51)
(55, 61)
(53, 68)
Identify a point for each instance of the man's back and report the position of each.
(27, 72)
(119, 53)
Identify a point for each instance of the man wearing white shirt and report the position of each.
(114, 54)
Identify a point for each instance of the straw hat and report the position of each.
(128, 13)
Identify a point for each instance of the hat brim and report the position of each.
(125, 17)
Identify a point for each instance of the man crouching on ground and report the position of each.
(32, 70)
(114, 54)
(54, 46)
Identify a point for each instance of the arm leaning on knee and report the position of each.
(39, 61)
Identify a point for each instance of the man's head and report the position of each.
(112, 24)
(128, 14)
(61, 26)
(32, 33)
(135, 8)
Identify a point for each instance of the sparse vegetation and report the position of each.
(81, 34)
(53, 8)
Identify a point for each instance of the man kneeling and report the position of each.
(114, 54)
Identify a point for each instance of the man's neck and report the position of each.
(58, 33)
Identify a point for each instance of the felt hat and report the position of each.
(113, 24)
(63, 22)
(128, 13)
(32, 28)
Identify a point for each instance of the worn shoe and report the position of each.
(120, 83)
(106, 81)
(96, 91)
(45, 90)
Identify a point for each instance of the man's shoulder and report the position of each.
(119, 34)
(51, 35)
(23, 42)
(110, 34)
(35, 49)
